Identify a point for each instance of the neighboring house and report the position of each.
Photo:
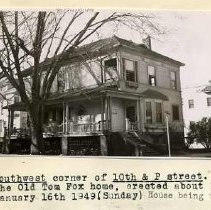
(2, 119)
(196, 104)
(9, 96)
(113, 95)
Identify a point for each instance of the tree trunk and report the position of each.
(36, 121)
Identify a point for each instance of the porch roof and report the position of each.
(94, 92)
(78, 94)
(18, 106)
(154, 95)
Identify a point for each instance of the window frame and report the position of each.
(173, 82)
(191, 103)
(150, 76)
(151, 113)
(178, 117)
(135, 70)
(208, 101)
(161, 113)
(105, 74)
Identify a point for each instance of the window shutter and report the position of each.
(136, 70)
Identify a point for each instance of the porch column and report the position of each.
(64, 145)
(102, 112)
(8, 122)
(66, 116)
(57, 115)
(63, 119)
(11, 120)
(142, 114)
(110, 113)
(138, 114)
(107, 111)
(103, 146)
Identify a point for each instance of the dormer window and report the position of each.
(151, 75)
(130, 70)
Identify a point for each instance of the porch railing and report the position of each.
(17, 132)
(131, 126)
(77, 128)
(58, 130)
(85, 127)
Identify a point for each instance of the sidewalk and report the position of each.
(193, 153)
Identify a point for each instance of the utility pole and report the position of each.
(167, 132)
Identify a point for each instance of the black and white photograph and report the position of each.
(87, 82)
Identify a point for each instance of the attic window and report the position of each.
(130, 70)
(110, 69)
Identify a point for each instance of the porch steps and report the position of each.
(144, 143)
(155, 142)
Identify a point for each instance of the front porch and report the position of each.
(89, 119)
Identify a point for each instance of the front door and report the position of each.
(130, 118)
(131, 113)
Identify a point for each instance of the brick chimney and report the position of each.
(147, 42)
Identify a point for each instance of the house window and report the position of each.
(148, 112)
(173, 80)
(191, 104)
(60, 81)
(175, 112)
(110, 69)
(209, 101)
(151, 76)
(130, 70)
(159, 114)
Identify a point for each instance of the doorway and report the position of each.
(131, 113)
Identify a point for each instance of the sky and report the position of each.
(187, 38)
(189, 41)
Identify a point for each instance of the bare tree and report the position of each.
(41, 41)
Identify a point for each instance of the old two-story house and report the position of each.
(112, 98)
